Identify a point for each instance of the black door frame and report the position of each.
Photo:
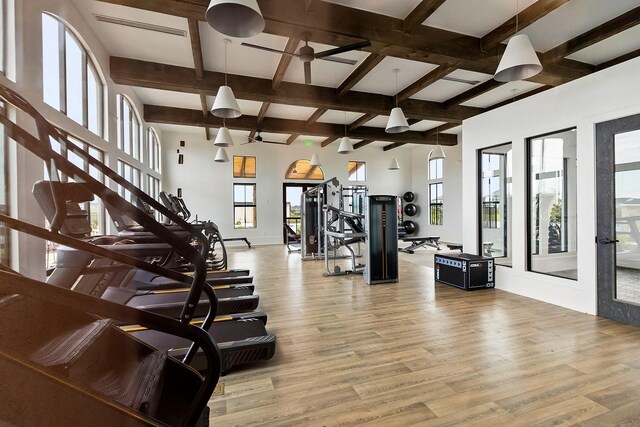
(608, 305)
(285, 185)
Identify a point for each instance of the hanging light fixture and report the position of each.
(397, 122)
(345, 143)
(225, 105)
(519, 60)
(221, 156)
(394, 165)
(235, 18)
(315, 160)
(223, 138)
(437, 152)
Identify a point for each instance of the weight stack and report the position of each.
(382, 240)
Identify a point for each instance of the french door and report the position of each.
(618, 225)
(291, 194)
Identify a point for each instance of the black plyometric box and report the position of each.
(464, 271)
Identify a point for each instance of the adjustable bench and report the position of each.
(418, 242)
(454, 246)
(239, 239)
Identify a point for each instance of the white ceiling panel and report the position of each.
(168, 98)
(455, 131)
(501, 93)
(475, 18)
(395, 8)
(290, 112)
(425, 125)
(240, 59)
(324, 73)
(378, 122)
(613, 47)
(442, 90)
(382, 79)
(315, 141)
(247, 108)
(337, 117)
(180, 129)
(573, 19)
(149, 45)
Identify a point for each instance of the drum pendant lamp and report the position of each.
(437, 152)
(221, 156)
(225, 104)
(397, 122)
(223, 138)
(235, 18)
(315, 161)
(393, 165)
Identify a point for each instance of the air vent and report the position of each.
(141, 25)
(457, 80)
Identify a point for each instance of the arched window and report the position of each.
(71, 81)
(153, 150)
(301, 169)
(129, 128)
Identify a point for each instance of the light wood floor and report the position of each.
(415, 353)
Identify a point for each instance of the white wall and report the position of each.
(582, 103)
(207, 186)
(450, 230)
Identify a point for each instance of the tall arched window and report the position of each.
(153, 150)
(71, 81)
(129, 128)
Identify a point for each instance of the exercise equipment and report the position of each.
(410, 209)
(410, 227)
(409, 196)
(342, 229)
(419, 242)
(382, 241)
(293, 239)
(464, 271)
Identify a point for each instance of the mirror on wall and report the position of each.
(495, 187)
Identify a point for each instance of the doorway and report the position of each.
(618, 223)
(291, 209)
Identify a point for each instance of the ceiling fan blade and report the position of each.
(307, 73)
(268, 49)
(340, 60)
(347, 48)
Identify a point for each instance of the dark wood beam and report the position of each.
(205, 113)
(285, 60)
(252, 134)
(263, 110)
(420, 13)
(359, 73)
(309, 4)
(533, 13)
(618, 60)
(362, 144)
(441, 128)
(472, 93)
(292, 138)
(427, 44)
(170, 77)
(361, 121)
(179, 116)
(610, 28)
(519, 97)
(316, 116)
(196, 47)
(425, 81)
(392, 146)
(327, 141)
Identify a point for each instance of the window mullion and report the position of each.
(62, 53)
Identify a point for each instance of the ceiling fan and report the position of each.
(258, 138)
(307, 54)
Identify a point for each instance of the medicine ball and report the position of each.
(408, 196)
(410, 227)
(410, 209)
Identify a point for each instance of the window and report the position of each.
(71, 81)
(132, 175)
(495, 198)
(5, 248)
(244, 206)
(552, 210)
(128, 127)
(244, 167)
(3, 35)
(153, 190)
(153, 150)
(357, 171)
(436, 205)
(302, 169)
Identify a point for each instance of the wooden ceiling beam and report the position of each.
(316, 116)
(610, 28)
(441, 128)
(618, 60)
(472, 93)
(170, 77)
(292, 138)
(186, 117)
(361, 121)
(519, 97)
(420, 13)
(359, 73)
(196, 47)
(263, 110)
(285, 60)
(327, 141)
(392, 146)
(427, 44)
(205, 113)
(427, 80)
(362, 144)
(533, 13)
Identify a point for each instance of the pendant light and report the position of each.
(345, 143)
(519, 60)
(397, 122)
(437, 152)
(225, 105)
(315, 160)
(394, 165)
(221, 156)
(235, 18)
(223, 138)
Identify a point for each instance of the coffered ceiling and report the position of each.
(446, 51)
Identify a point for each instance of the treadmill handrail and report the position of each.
(17, 284)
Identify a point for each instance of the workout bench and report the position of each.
(418, 242)
(239, 239)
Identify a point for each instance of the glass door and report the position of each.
(618, 203)
(292, 194)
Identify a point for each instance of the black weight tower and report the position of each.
(382, 241)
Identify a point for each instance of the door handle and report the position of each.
(606, 241)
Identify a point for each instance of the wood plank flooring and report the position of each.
(419, 353)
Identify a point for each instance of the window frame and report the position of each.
(5, 232)
(153, 152)
(243, 173)
(438, 206)
(245, 205)
(134, 128)
(135, 172)
(360, 166)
